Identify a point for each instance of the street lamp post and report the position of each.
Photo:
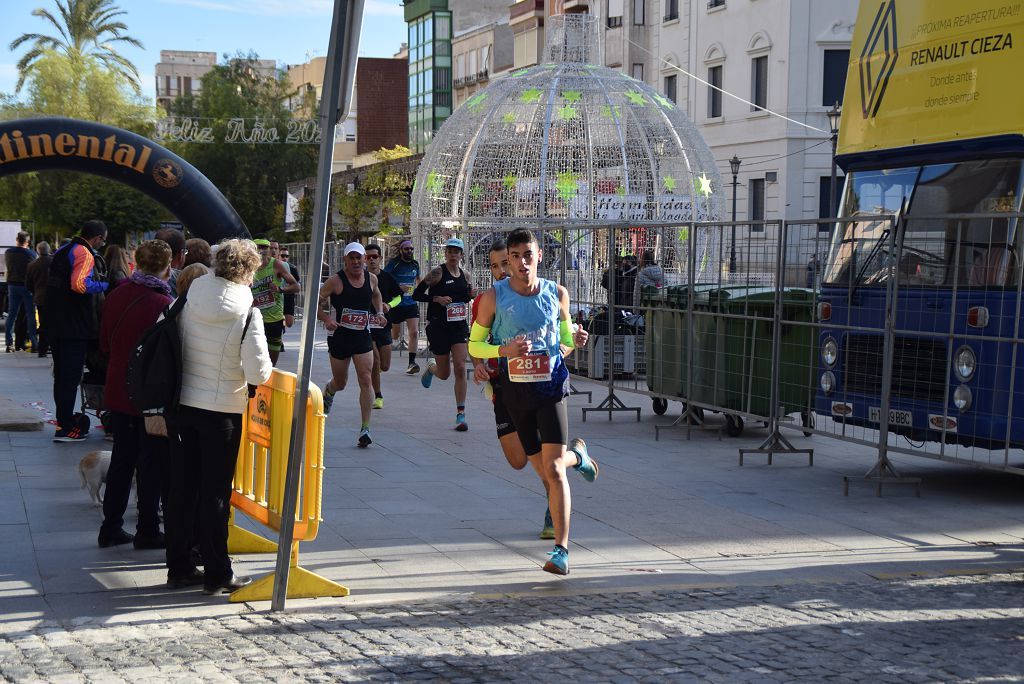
(833, 122)
(734, 166)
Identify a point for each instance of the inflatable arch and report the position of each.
(89, 147)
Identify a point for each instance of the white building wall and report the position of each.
(794, 35)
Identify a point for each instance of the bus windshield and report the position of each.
(936, 251)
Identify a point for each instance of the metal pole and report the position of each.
(338, 70)
(732, 244)
(832, 181)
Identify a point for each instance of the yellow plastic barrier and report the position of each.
(258, 488)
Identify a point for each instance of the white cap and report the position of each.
(354, 247)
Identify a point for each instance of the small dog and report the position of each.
(93, 471)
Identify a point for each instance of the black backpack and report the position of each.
(154, 368)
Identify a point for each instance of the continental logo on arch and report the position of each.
(878, 58)
(17, 147)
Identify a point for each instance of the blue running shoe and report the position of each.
(328, 398)
(427, 377)
(460, 422)
(558, 563)
(587, 467)
(549, 526)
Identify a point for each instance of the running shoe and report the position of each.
(328, 398)
(427, 377)
(413, 369)
(587, 467)
(558, 563)
(549, 526)
(378, 402)
(460, 422)
(72, 435)
(364, 438)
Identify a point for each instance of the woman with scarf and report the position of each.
(129, 310)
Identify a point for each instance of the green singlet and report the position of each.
(270, 305)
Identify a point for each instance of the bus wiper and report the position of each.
(871, 255)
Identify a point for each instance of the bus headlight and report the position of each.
(964, 364)
(828, 382)
(829, 351)
(962, 397)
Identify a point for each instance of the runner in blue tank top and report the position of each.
(528, 318)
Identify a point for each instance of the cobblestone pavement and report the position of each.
(951, 629)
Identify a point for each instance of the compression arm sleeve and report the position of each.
(565, 334)
(478, 346)
(394, 302)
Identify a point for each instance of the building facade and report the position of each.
(786, 56)
(381, 98)
(180, 73)
(307, 84)
(479, 55)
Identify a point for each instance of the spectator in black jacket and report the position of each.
(73, 294)
(19, 299)
(35, 280)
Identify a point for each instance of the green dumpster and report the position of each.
(748, 324)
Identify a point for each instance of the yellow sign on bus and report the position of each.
(931, 71)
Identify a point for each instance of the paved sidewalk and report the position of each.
(434, 523)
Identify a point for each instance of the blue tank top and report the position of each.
(537, 318)
(406, 273)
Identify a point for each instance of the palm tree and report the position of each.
(87, 29)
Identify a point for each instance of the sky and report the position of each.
(288, 31)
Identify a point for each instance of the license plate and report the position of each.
(897, 417)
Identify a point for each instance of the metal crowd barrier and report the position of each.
(735, 326)
(258, 487)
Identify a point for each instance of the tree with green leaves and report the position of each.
(252, 176)
(87, 30)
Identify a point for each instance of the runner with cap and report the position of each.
(406, 270)
(448, 293)
(380, 329)
(353, 293)
(271, 280)
(487, 371)
(528, 317)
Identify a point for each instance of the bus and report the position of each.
(923, 264)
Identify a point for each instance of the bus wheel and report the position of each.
(659, 405)
(807, 418)
(733, 426)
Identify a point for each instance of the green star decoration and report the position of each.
(669, 182)
(636, 97)
(610, 112)
(509, 181)
(435, 182)
(565, 113)
(664, 101)
(509, 118)
(684, 234)
(531, 95)
(572, 95)
(621, 190)
(567, 185)
(476, 191)
(475, 102)
(705, 185)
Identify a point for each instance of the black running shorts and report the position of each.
(442, 336)
(403, 312)
(502, 421)
(544, 420)
(381, 336)
(344, 344)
